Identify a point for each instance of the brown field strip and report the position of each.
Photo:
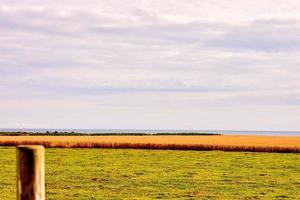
(223, 143)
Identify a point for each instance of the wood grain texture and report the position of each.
(30, 172)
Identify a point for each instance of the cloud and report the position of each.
(267, 36)
(174, 57)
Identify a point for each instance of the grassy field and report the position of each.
(160, 174)
(280, 144)
(282, 141)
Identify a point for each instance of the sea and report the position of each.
(153, 131)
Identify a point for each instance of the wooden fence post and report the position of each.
(30, 172)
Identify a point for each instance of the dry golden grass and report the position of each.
(224, 143)
(281, 141)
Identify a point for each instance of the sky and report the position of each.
(150, 64)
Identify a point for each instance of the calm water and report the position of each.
(225, 132)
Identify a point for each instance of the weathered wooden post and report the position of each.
(30, 172)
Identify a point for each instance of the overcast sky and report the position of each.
(139, 64)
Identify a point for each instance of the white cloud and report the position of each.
(175, 60)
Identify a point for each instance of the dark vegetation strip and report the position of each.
(95, 134)
(195, 147)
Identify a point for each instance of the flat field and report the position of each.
(160, 174)
(280, 141)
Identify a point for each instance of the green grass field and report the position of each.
(160, 174)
